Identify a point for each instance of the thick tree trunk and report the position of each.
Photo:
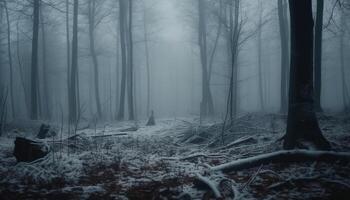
(74, 68)
(34, 62)
(92, 7)
(283, 26)
(302, 124)
(318, 54)
(10, 60)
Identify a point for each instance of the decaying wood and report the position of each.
(28, 150)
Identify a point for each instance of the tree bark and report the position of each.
(345, 89)
(145, 27)
(10, 59)
(34, 62)
(74, 68)
(92, 7)
(47, 98)
(131, 64)
(122, 28)
(302, 124)
(21, 73)
(233, 39)
(260, 70)
(283, 27)
(207, 106)
(318, 54)
(68, 52)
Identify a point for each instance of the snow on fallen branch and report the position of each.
(239, 141)
(283, 157)
(194, 156)
(109, 135)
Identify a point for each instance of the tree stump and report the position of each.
(28, 150)
(151, 121)
(45, 132)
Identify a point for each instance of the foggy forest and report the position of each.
(175, 99)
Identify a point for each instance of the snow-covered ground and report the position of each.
(113, 161)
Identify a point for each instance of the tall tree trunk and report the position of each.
(34, 62)
(117, 80)
(260, 76)
(318, 54)
(122, 29)
(47, 98)
(233, 38)
(283, 26)
(74, 68)
(21, 73)
(10, 59)
(145, 27)
(302, 124)
(68, 51)
(207, 106)
(346, 97)
(131, 65)
(92, 7)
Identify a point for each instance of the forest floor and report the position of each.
(168, 160)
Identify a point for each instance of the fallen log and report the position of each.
(28, 150)
(240, 141)
(283, 157)
(131, 129)
(109, 135)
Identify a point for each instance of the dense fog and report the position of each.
(172, 56)
(165, 99)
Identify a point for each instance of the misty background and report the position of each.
(170, 28)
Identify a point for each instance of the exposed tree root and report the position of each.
(209, 184)
(283, 157)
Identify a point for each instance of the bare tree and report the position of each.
(302, 123)
(122, 29)
(126, 41)
(283, 27)
(345, 89)
(46, 83)
(34, 65)
(206, 106)
(92, 27)
(318, 54)
(146, 37)
(260, 67)
(73, 105)
(9, 51)
(130, 71)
